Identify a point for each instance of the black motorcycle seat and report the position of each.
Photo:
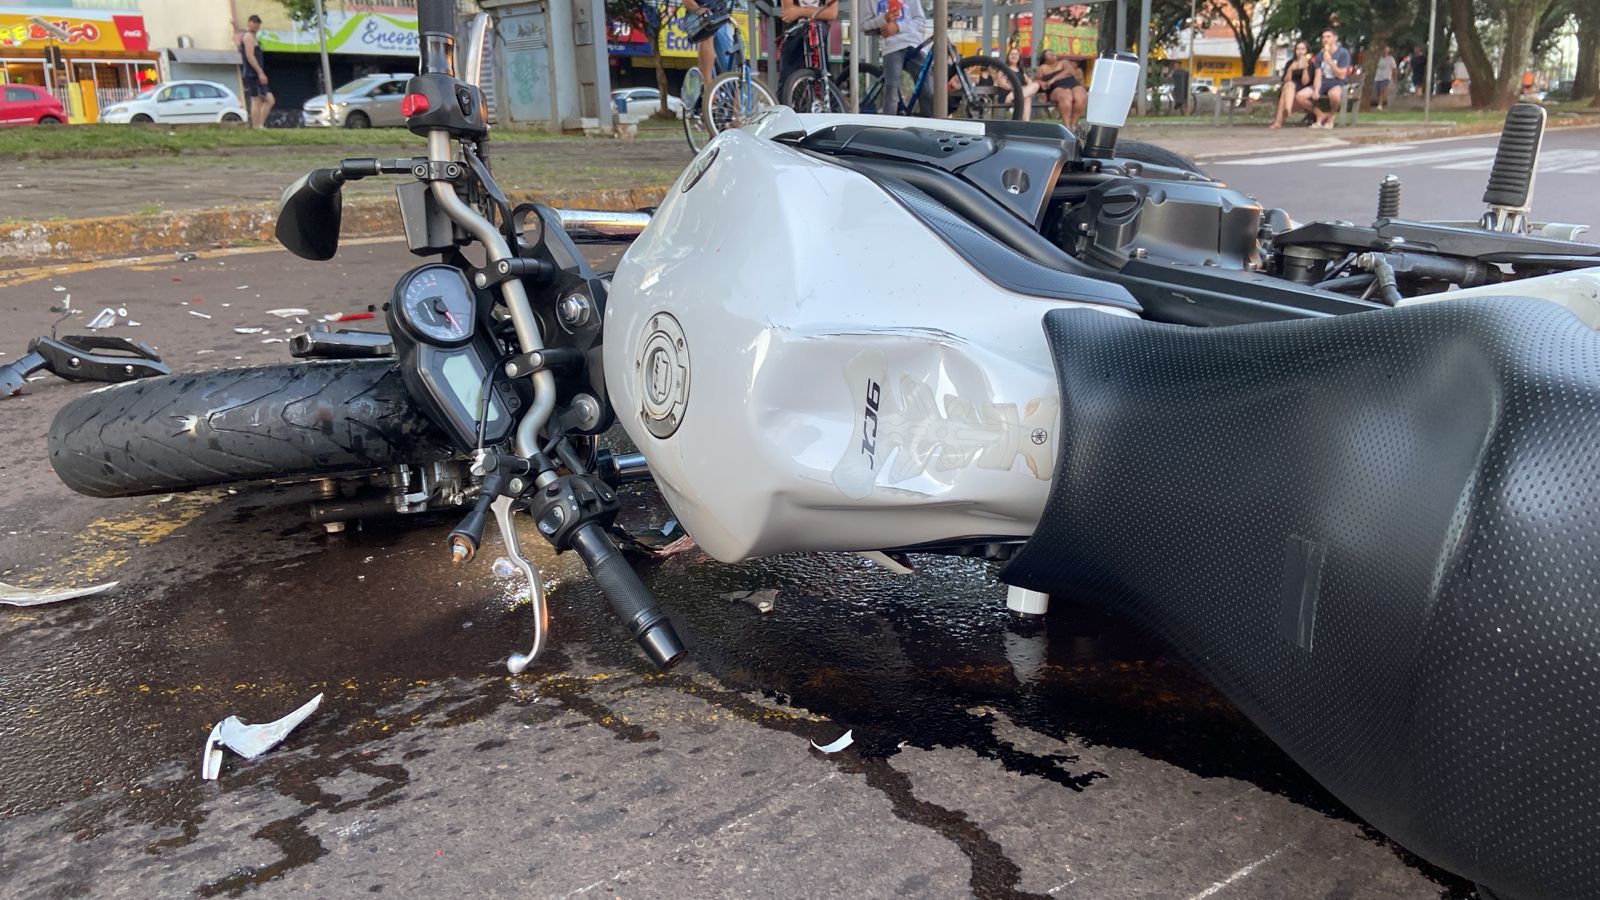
(1379, 535)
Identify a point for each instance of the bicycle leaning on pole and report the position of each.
(978, 86)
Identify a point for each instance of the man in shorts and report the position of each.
(717, 51)
(1334, 64)
(258, 96)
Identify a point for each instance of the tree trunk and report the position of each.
(1587, 83)
(1480, 71)
(1521, 20)
(661, 84)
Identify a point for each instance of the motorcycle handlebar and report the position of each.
(628, 595)
(436, 17)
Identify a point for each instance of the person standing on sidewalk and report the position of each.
(902, 24)
(1383, 77)
(792, 55)
(256, 91)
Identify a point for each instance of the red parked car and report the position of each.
(27, 104)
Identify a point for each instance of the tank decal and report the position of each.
(907, 429)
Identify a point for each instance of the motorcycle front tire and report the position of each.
(203, 429)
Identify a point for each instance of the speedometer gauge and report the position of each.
(434, 304)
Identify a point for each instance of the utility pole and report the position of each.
(327, 70)
(941, 54)
(1427, 89)
(1144, 56)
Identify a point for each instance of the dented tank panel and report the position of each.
(778, 362)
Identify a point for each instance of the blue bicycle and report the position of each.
(979, 86)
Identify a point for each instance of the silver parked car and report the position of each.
(367, 101)
(645, 101)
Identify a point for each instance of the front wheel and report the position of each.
(195, 430)
(810, 91)
(231, 119)
(693, 94)
(357, 120)
(49, 120)
(983, 93)
(142, 119)
(733, 100)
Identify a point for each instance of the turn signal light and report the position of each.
(411, 104)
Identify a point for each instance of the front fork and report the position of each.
(571, 511)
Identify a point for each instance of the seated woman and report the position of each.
(1064, 86)
(1296, 89)
(1030, 87)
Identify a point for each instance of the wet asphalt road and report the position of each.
(1072, 759)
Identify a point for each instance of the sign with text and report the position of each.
(363, 33)
(24, 28)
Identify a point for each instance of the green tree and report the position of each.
(1587, 83)
(303, 11)
(1517, 21)
(1251, 35)
(650, 18)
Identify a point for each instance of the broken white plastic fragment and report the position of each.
(844, 741)
(20, 596)
(249, 741)
(288, 312)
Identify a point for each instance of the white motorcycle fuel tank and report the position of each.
(808, 366)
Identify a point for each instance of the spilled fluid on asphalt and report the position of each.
(106, 703)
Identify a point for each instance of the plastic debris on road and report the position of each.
(289, 312)
(763, 600)
(844, 741)
(104, 319)
(198, 314)
(248, 330)
(21, 596)
(249, 741)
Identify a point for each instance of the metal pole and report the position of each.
(327, 69)
(940, 70)
(1122, 25)
(599, 31)
(1427, 87)
(1144, 55)
(854, 72)
(1036, 34)
(986, 31)
(771, 29)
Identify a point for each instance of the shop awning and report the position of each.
(198, 57)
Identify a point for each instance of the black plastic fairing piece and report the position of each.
(1379, 535)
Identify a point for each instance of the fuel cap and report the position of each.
(663, 375)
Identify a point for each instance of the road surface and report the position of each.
(1068, 760)
(1441, 179)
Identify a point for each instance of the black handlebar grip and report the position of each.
(436, 17)
(325, 181)
(628, 595)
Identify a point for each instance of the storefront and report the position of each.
(632, 64)
(361, 43)
(88, 58)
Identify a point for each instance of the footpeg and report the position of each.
(1510, 190)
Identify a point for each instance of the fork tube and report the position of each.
(515, 295)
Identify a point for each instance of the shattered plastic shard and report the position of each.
(844, 741)
(19, 596)
(249, 741)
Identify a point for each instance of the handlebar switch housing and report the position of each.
(450, 104)
(563, 507)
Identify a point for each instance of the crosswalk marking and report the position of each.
(1401, 156)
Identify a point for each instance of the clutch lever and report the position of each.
(517, 663)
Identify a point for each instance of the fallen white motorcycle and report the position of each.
(1376, 532)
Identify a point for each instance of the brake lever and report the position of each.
(517, 663)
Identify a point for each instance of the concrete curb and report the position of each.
(72, 240)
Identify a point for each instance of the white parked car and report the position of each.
(645, 101)
(177, 103)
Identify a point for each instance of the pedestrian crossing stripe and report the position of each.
(1400, 156)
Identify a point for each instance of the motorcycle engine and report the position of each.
(1115, 218)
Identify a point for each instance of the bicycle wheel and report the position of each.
(731, 101)
(982, 94)
(868, 80)
(809, 91)
(694, 126)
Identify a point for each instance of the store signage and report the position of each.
(34, 29)
(364, 33)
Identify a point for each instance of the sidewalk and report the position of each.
(66, 209)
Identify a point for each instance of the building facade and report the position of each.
(88, 57)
